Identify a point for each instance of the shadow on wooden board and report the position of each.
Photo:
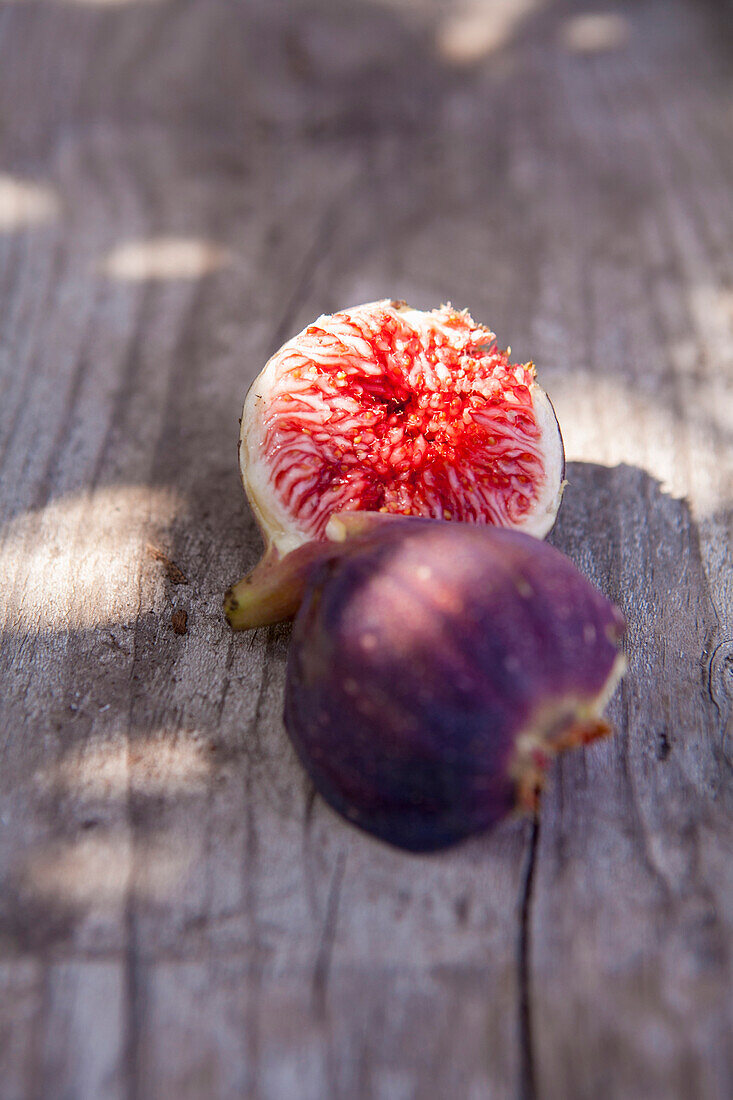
(666, 769)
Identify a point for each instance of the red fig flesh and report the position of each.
(388, 410)
(435, 669)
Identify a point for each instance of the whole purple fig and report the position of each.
(435, 670)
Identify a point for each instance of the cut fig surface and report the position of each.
(383, 408)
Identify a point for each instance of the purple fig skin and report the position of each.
(435, 670)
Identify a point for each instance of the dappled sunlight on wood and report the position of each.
(97, 871)
(474, 29)
(191, 184)
(165, 258)
(596, 413)
(162, 766)
(76, 562)
(596, 32)
(25, 203)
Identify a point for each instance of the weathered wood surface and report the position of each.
(178, 916)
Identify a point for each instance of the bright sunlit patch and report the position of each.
(154, 766)
(98, 871)
(684, 455)
(595, 33)
(76, 563)
(24, 203)
(477, 28)
(165, 258)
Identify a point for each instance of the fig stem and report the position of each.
(274, 589)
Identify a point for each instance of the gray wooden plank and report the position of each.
(21, 984)
(83, 1046)
(178, 916)
(631, 994)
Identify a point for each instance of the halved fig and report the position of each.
(436, 669)
(388, 410)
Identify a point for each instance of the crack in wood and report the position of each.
(328, 935)
(310, 803)
(527, 1076)
(720, 677)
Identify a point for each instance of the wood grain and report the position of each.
(183, 185)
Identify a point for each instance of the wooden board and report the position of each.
(184, 184)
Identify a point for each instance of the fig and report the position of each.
(387, 410)
(435, 670)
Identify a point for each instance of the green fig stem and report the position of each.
(274, 589)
